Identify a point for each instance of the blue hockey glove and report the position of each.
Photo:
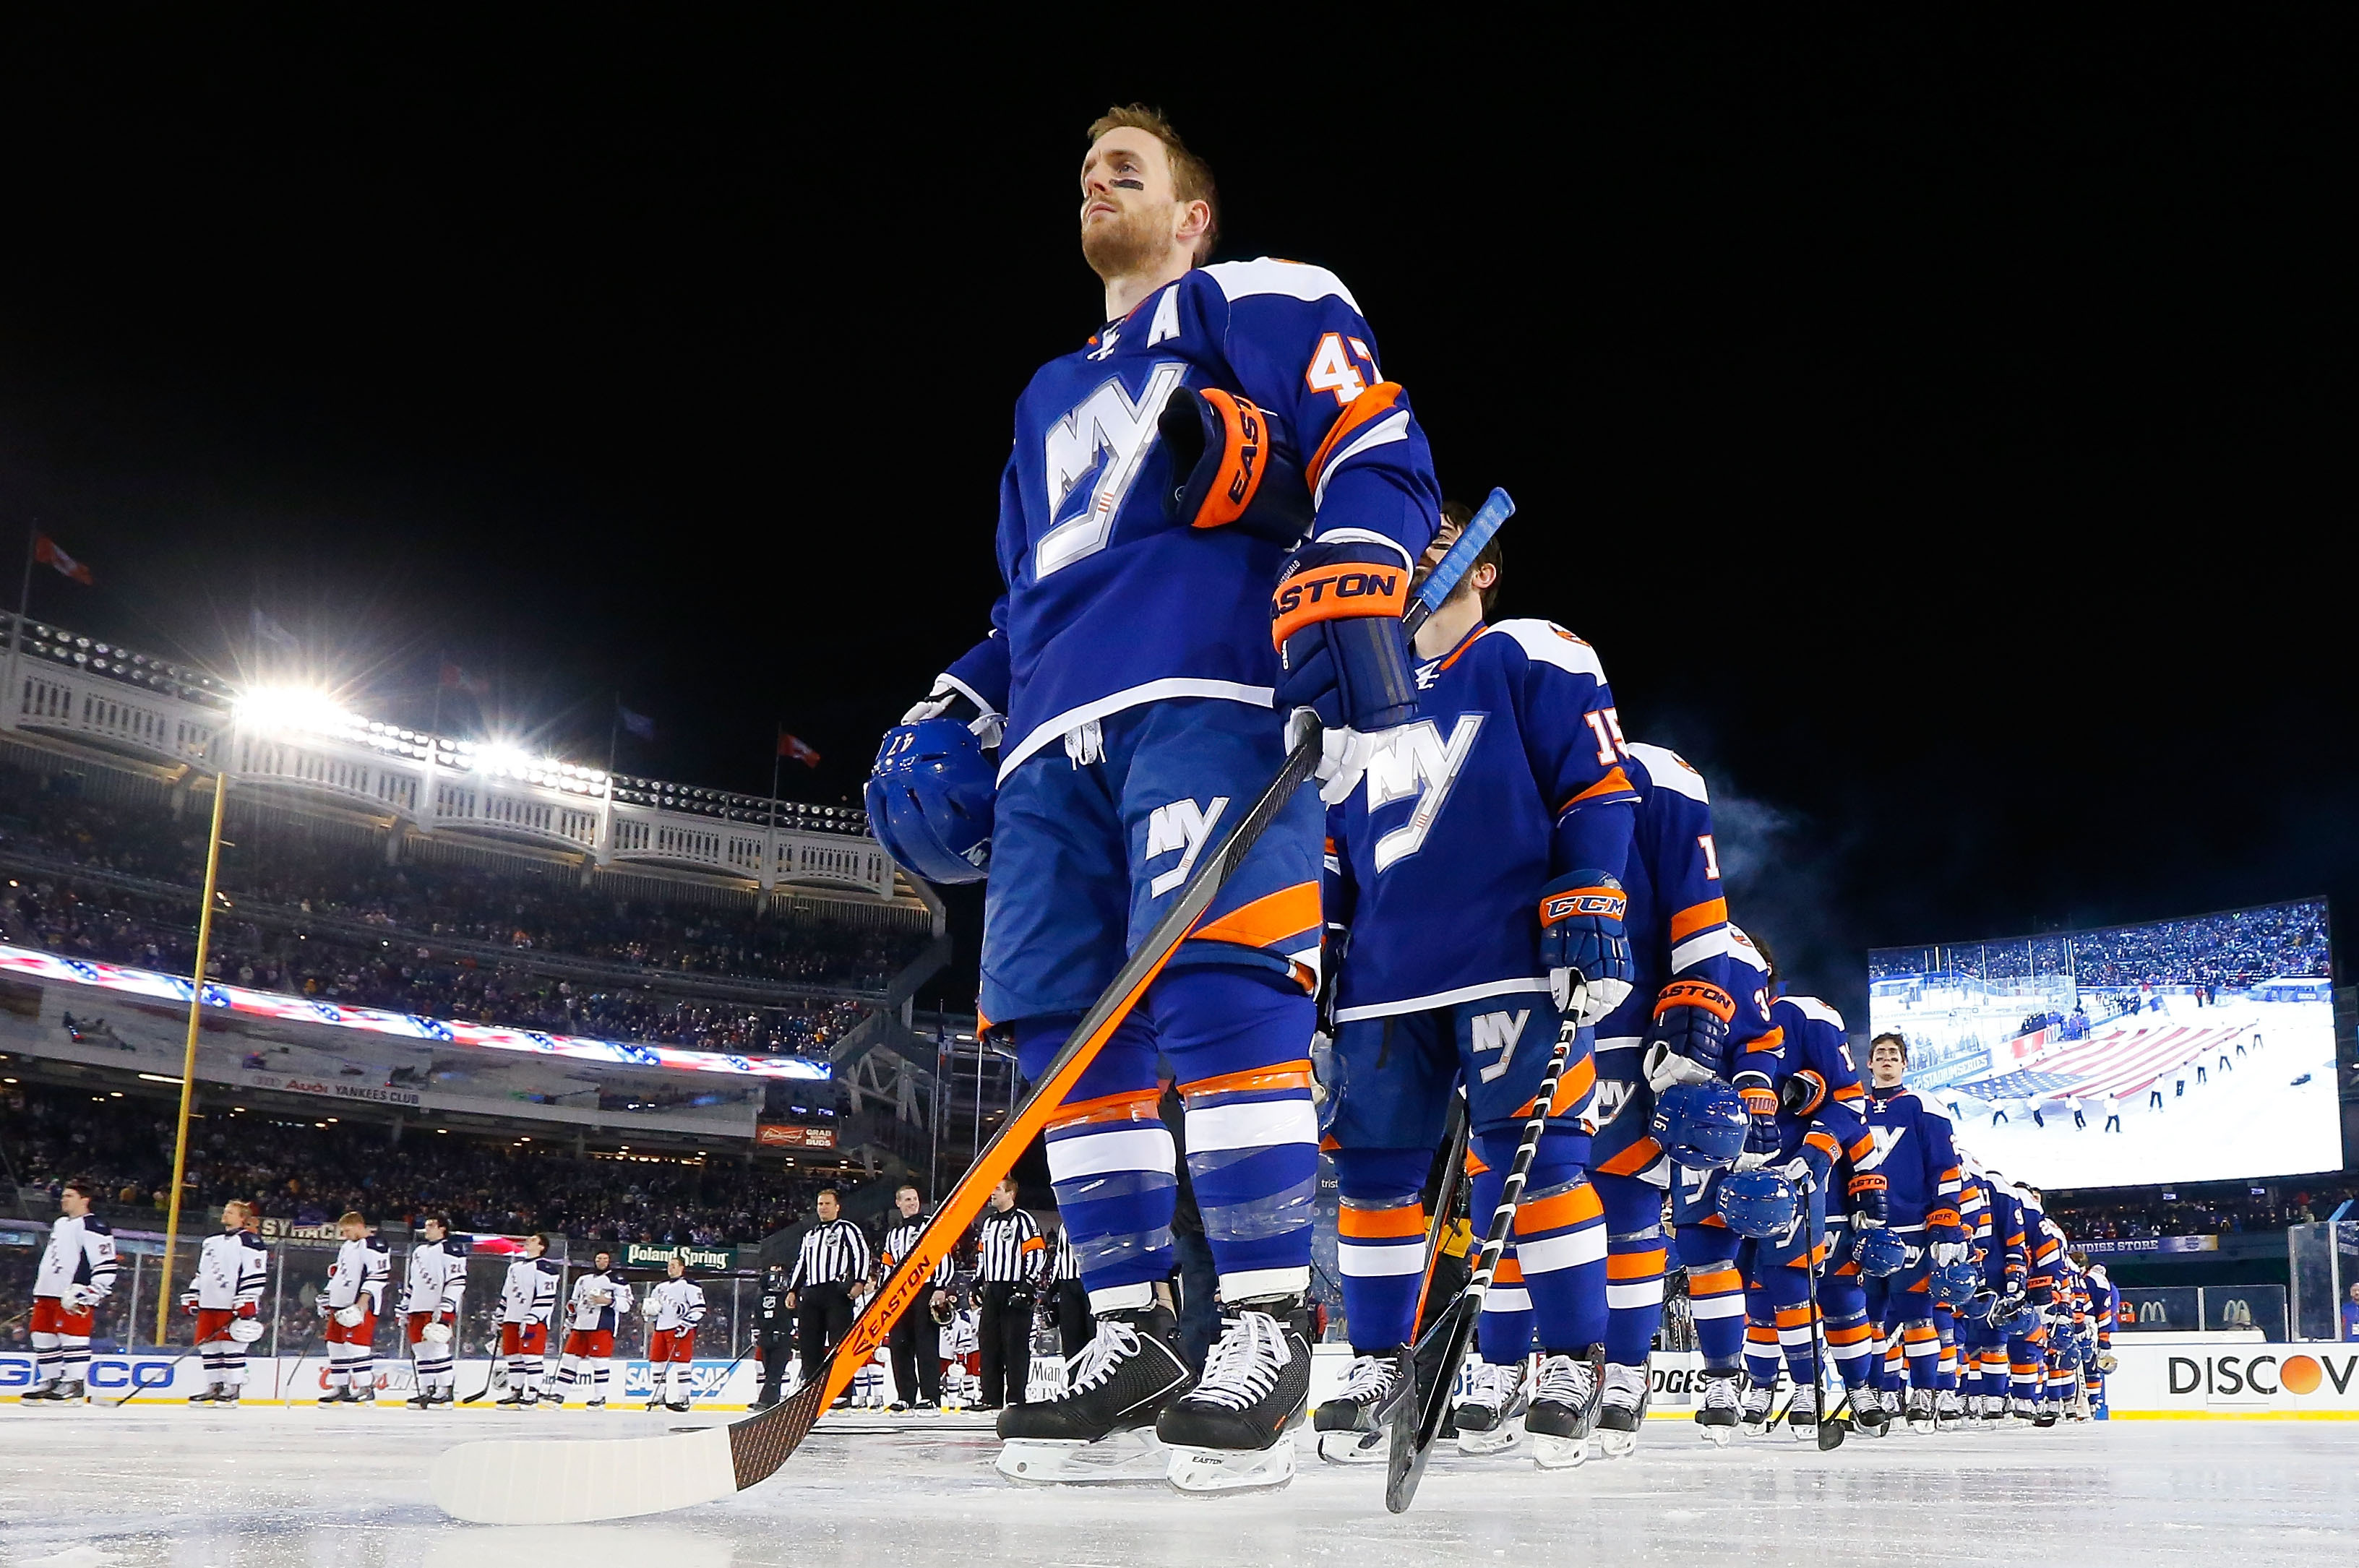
(1871, 1200)
(1336, 622)
(1231, 471)
(1583, 946)
(1687, 1038)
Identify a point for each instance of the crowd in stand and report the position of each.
(309, 1174)
(2132, 1216)
(2230, 951)
(279, 877)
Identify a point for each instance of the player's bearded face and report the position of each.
(1132, 238)
(1128, 212)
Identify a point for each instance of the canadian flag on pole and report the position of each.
(45, 549)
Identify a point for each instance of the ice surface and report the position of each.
(265, 1487)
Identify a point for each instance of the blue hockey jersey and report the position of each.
(1677, 923)
(1913, 1153)
(1824, 1122)
(1113, 602)
(2004, 1255)
(1513, 768)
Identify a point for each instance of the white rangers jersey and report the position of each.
(676, 1305)
(600, 1301)
(231, 1268)
(81, 1252)
(364, 1269)
(959, 1337)
(438, 1276)
(528, 1294)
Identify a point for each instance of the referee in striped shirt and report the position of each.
(1010, 1258)
(833, 1258)
(915, 1336)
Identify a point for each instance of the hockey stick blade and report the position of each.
(540, 1481)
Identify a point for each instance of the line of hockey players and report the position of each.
(1213, 517)
(79, 1270)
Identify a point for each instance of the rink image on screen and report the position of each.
(2190, 1050)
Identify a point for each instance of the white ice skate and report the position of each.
(1717, 1417)
(1490, 1419)
(1565, 1395)
(1623, 1411)
(1755, 1421)
(1350, 1425)
(1256, 1387)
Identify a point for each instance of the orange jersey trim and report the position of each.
(1579, 1079)
(1268, 919)
(1615, 781)
(1364, 409)
(1634, 1265)
(1697, 916)
(1633, 1160)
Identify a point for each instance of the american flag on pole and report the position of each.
(794, 749)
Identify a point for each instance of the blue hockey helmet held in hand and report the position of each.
(1954, 1284)
(1759, 1204)
(1701, 1126)
(930, 800)
(1880, 1253)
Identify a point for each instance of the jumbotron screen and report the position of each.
(2179, 1050)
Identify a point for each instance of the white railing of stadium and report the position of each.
(71, 686)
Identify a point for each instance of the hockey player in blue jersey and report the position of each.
(1676, 925)
(1817, 1124)
(1207, 524)
(1478, 870)
(1912, 1153)
(2003, 1262)
(1704, 1033)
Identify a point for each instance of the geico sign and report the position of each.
(2263, 1374)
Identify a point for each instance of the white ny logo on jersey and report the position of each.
(1886, 1138)
(1106, 423)
(1412, 761)
(1182, 827)
(1498, 1032)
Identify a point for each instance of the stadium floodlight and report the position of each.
(503, 757)
(272, 710)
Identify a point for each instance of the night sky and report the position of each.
(1941, 434)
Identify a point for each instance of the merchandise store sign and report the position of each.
(649, 1255)
(781, 1135)
(2149, 1244)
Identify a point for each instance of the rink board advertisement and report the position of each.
(2194, 1380)
(155, 1379)
(2177, 1051)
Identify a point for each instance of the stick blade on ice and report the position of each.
(541, 1481)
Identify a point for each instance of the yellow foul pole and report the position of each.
(189, 1057)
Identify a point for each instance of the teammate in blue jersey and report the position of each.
(2104, 1310)
(1717, 1032)
(1478, 870)
(1678, 930)
(1207, 525)
(1912, 1153)
(1817, 1125)
(2004, 1270)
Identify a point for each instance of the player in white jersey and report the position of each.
(528, 1303)
(76, 1273)
(431, 1295)
(674, 1309)
(351, 1301)
(960, 1339)
(226, 1300)
(600, 1299)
